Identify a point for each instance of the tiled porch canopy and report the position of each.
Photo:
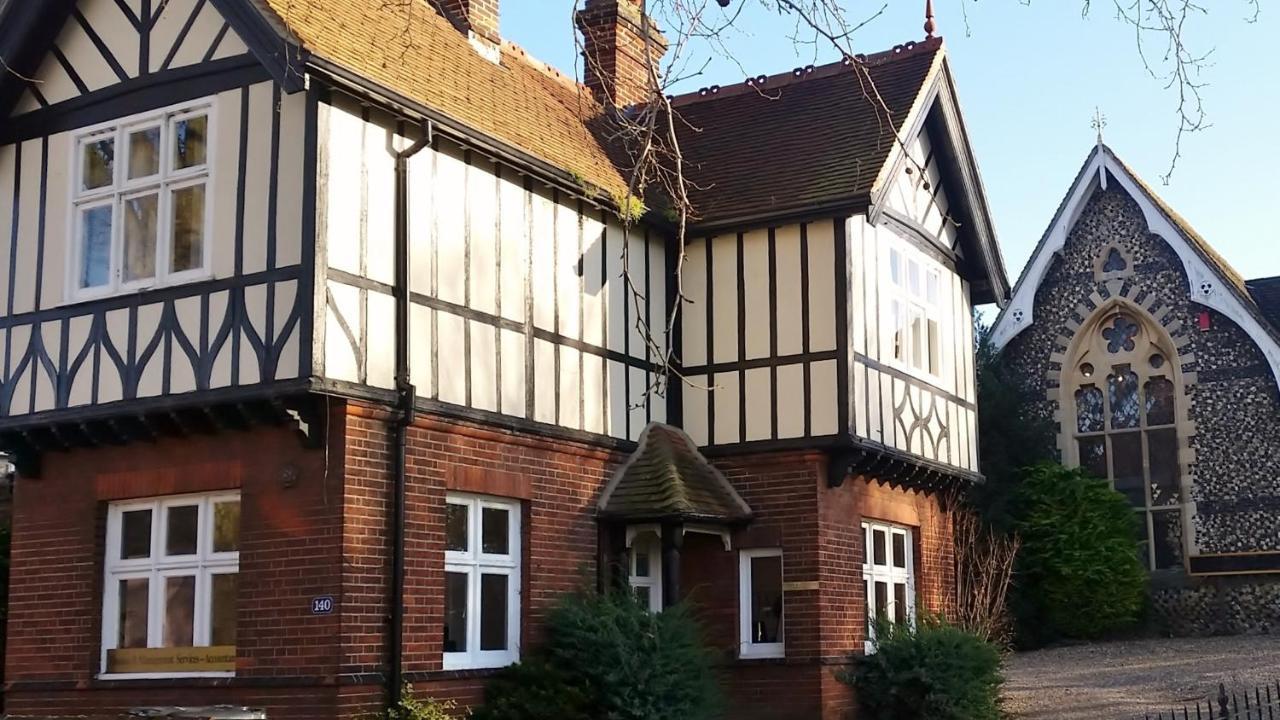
(666, 479)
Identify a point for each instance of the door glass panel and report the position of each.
(95, 246)
(182, 530)
(493, 612)
(134, 598)
(179, 611)
(190, 142)
(766, 599)
(456, 523)
(144, 153)
(494, 533)
(455, 612)
(135, 534)
(188, 229)
(98, 164)
(140, 236)
(226, 526)
(223, 610)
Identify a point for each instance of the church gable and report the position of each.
(106, 42)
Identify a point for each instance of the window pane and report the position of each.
(222, 613)
(900, 323)
(895, 267)
(183, 530)
(140, 237)
(1127, 451)
(1159, 396)
(882, 600)
(190, 142)
(643, 596)
(188, 229)
(455, 612)
(179, 611)
(1162, 454)
(133, 613)
(766, 599)
(1144, 539)
(135, 534)
(95, 246)
(493, 612)
(878, 548)
(1166, 539)
(226, 526)
(935, 348)
(899, 550)
(1123, 386)
(494, 533)
(931, 288)
(1089, 410)
(917, 339)
(1093, 456)
(98, 164)
(913, 278)
(900, 603)
(144, 153)
(642, 564)
(455, 527)
(872, 611)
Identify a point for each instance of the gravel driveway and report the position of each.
(1121, 680)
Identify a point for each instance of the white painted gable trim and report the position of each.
(1206, 285)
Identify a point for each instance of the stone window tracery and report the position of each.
(1112, 263)
(1122, 423)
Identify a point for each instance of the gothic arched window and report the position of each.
(1120, 422)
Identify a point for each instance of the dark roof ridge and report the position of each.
(763, 84)
(1272, 279)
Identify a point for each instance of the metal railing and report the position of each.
(1259, 703)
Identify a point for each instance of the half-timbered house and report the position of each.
(1158, 363)
(324, 364)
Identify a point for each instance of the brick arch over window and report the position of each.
(1124, 416)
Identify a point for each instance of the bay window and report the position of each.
(913, 300)
(140, 202)
(171, 579)
(482, 582)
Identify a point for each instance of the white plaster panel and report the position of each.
(544, 266)
(46, 389)
(695, 401)
(420, 322)
(167, 25)
(755, 266)
(594, 295)
(257, 178)
(724, 297)
(725, 395)
(636, 260)
(544, 381)
(57, 234)
(226, 163)
(790, 401)
(8, 154)
(380, 213)
(822, 287)
(759, 405)
(26, 103)
(617, 418)
(231, 46)
(421, 221)
(513, 373)
(790, 327)
(255, 301)
(151, 376)
(55, 84)
(380, 355)
(593, 393)
(570, 388)
(483, 216)
(342, 360)
(452, 364)
(858, 386)
(857, 286)
(19, 344)
(199, 39)
(693, 312)
(220, 372)
(182, 371)
(484, 370)
(85, 58)
(568, 281)
(24, 284)
(82, 383)
(450, 216)
(824, 400)
(514, 249)
(657, 292)
(117, 33)
(615, 289)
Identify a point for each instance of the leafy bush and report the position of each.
(1078, 573)
(934, 671)
(411, 708)
(608, 658)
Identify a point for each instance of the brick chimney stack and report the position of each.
(617, 58)
(478, 16)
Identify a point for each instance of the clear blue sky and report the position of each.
(1029, 78)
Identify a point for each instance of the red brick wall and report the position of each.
(289, 554)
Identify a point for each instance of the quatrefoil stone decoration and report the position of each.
(1120, 335)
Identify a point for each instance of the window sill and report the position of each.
(131, 677)
(762, 653)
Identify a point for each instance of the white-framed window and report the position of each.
(645, 569)
(481, 582)
(760, 609)
(888, 569)
(141, 202)
(171, 582)
(914, 309)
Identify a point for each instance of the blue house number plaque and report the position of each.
(322, 605)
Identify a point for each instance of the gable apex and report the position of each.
(1212, 282)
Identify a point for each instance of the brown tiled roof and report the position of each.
(667, 478)
(813, 137)
(409, 48)
(1266, 292)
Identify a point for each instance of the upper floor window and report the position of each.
(912, 289)
(169, 596)
(140, 202)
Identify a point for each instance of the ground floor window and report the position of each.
(645, 574)
(888, 570)
(760, 593)
(172, 576)
(482, 582)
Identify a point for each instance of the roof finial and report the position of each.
(929, 25)
(1099, 122)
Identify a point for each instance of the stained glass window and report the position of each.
(1123, 387)
(1115, 262)
(1089, 412)
(1121, 335)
